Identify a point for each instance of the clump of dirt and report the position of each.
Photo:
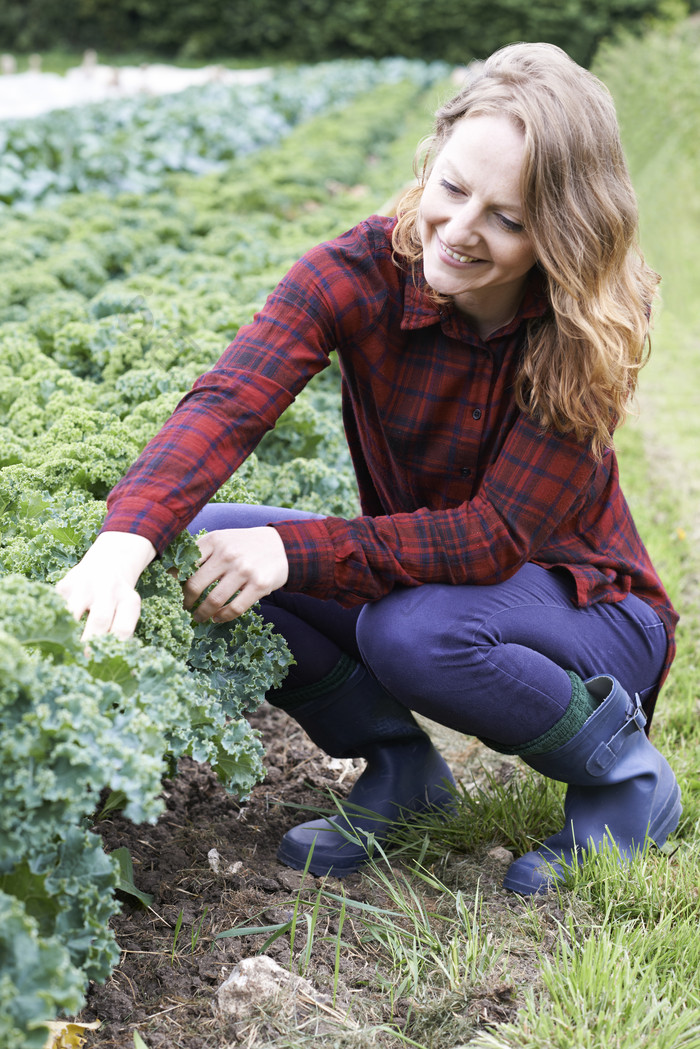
(172, 964)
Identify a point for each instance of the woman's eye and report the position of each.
(451, 189)
(510, 225)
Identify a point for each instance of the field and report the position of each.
(124, 276)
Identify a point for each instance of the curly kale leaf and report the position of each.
(163, 622)
(148, 417)
(70, 894)
(22, 501)
(38, 980)
(43, 535)
(66, 735)
(84, 449)
(52, 312)
(78, 268)
(35, 616)
(54, 540)
(303, 432)
(12, 447)
(243, 659)
(181, 557)
(307, 484)
(20, 355)
(21, 286)
(97, 350)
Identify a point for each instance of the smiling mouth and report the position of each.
(458, 258)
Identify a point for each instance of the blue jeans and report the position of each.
(488, 661)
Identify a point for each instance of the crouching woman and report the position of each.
(489, 339)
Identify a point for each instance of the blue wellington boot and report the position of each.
(405, 774)
(621, 789)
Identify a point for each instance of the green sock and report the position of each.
(580, 708)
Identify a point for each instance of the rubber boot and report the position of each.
(405, 774)
(620, 790)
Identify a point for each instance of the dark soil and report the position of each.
(165, 985)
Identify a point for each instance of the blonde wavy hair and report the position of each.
(580, 367)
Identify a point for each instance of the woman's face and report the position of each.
(470, 221)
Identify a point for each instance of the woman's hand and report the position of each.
(103, 584)
(247, 562)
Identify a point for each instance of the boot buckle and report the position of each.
(606, 753)
(638, 715)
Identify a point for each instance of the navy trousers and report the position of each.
(488, 661)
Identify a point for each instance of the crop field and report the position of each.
(145, 784)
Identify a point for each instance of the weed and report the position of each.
(196, 931)
(176, 934)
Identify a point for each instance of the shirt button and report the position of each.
(476, 414)
(465, 471)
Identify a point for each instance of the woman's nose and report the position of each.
(464, 225)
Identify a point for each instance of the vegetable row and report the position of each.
(109, 308)
(130, 145)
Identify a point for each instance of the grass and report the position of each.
(582, 1006)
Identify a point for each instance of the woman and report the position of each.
(489, 340)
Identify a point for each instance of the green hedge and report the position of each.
(311, 30)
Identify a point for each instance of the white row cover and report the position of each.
(31, 93)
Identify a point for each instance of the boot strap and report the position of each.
(605, 754)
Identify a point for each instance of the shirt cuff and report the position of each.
(310, 554)
(150, 520)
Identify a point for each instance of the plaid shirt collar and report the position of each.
(420, 309)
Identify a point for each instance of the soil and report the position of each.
(166, 982)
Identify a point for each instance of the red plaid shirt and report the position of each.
(457, 484)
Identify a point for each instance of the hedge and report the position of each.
(312, 30)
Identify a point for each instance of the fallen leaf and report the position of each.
(64, 1034)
